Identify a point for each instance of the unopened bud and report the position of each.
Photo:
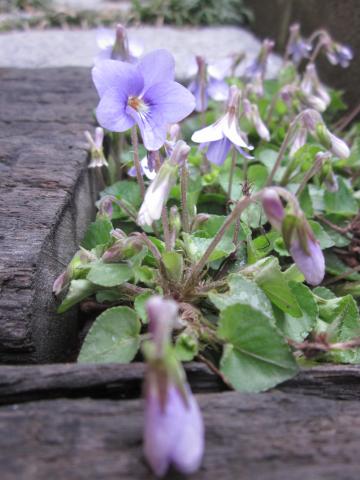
(273, 208)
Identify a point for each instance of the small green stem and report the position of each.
(198, 267)
(232, 170)
(184, 207)
(135, 144)
(281, 152)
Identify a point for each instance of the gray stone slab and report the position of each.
(59, 48)
(46, 202)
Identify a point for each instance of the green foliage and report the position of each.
(256, 356)
(114, 337)
(192, 12)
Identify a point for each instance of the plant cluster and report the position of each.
(192, 12)
(238, 249)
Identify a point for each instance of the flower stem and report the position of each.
(215, 370)
(135, 144)
(232, 170)
(166, 229)
(281, 153)
(198, 267)
(184, 207)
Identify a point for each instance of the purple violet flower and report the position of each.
(255, 73)
(312, 92)
(339, 54)
(209, 82)
(158, 191)
(297, 47)
(115, 45)
(310, 260)
(144, 94)
(297, 233)
(97, 157)
(224, 133)
(174, 430)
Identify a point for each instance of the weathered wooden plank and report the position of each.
(46, 201)
(24, 384)
(273, 436)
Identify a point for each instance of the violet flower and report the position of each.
(147, 164)
(311, 122)
(97, 157)
(251, 112)
(297, 233)
(255, 73)
(144, 94)
(224, 133)
(339, 54)
(158, 191)
(209, 82)
(174, 430)
(297, 48)
(312, 92)
(115, 45)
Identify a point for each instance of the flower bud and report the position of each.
(120, 49)
(273, 208)
(61, 282)
(174, 430)
(105, 206)
(158, 191)
(309, 257)
(180, 152)
(97, 157)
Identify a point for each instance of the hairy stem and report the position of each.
(184, 207)
(281, 153)
(215, 370)
(198, 267)
(135, 144)
(232, 170)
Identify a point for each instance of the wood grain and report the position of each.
(46, 201)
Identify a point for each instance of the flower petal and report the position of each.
(220, 69)
(189, 448)
(115, 74)
(217, 151)
(312, 265)
(157, 66)
(208, 134)
(171, 99)
(201, 103)
(231, 130)
(111, 111)
(218, 90)
(152, 126)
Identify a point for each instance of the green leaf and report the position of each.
(98, 233)
(109, 274)
(78, 290)
(140, 305)
(236, 191)
(245, 292)
(342, 201)
(114, 337)
(343, 314)
(335, 266)
(271, 279)
(197, 246)
(174, 265)
(186, 347)
(297, 329)
(256, 356)
(126, 190)
(320, 234)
